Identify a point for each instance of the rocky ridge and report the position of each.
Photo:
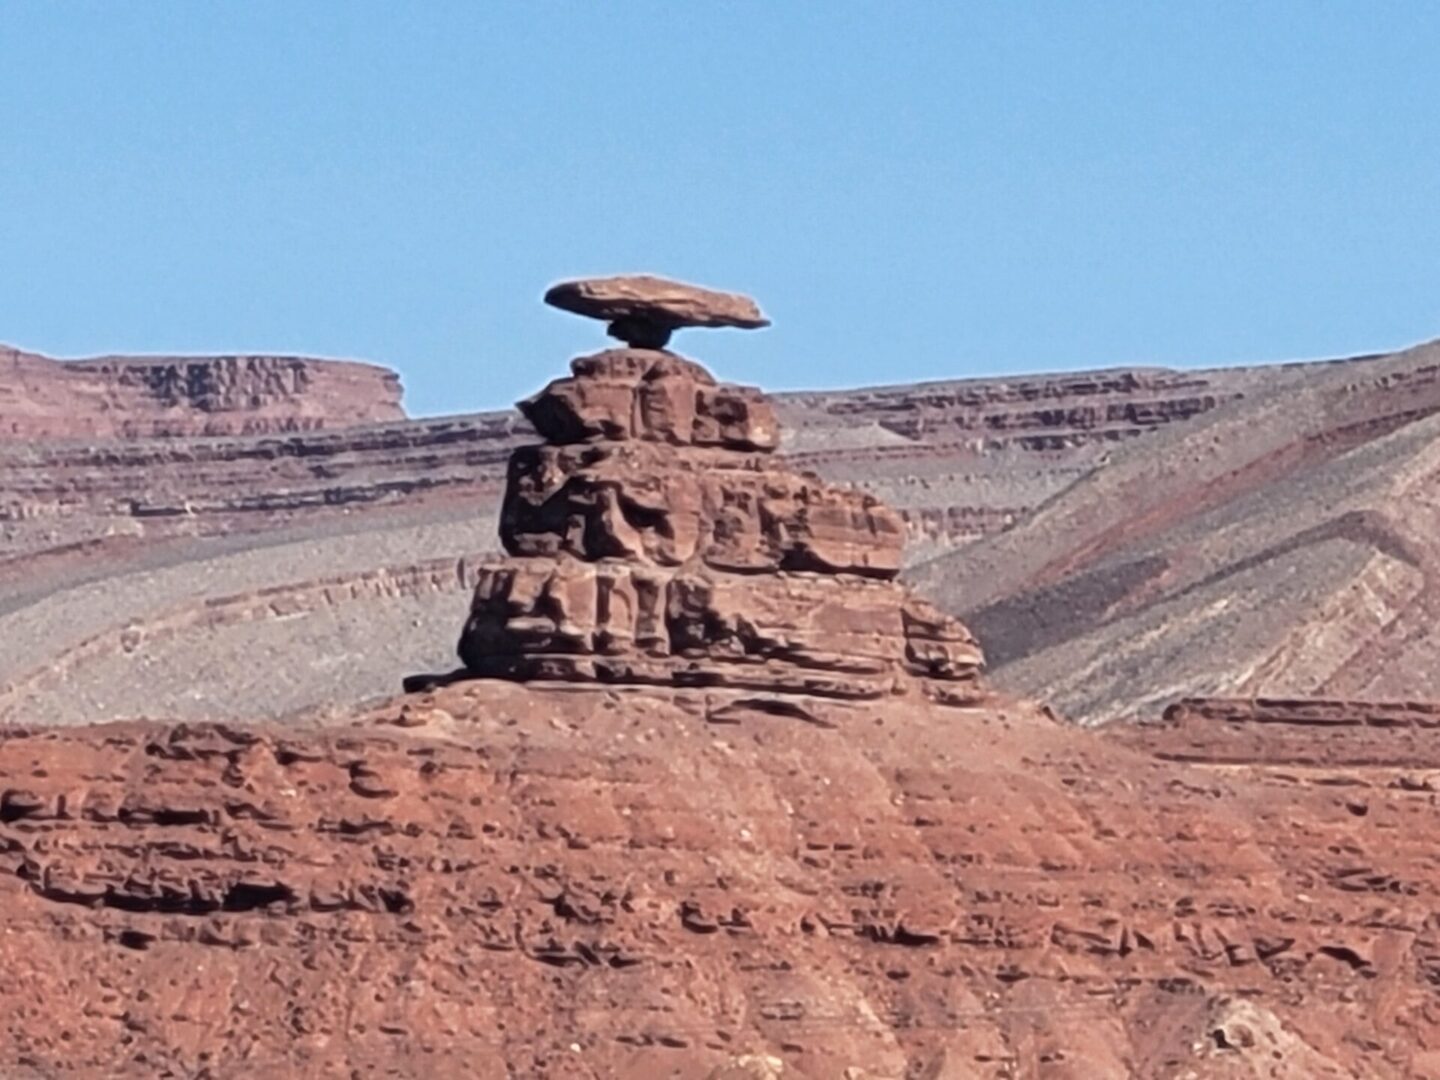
(1281, 545)
(1344, 742)
(138, 397)
(491, 879)
(91, 531)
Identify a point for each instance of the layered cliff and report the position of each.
(100, 535)
(958, 460)
(1280, 545)
(138, 397)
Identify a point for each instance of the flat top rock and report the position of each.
(657, 301)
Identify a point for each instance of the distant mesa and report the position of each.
(643, 310)
(136, 397)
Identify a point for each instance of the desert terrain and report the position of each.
(1063, 726)
(343, 552)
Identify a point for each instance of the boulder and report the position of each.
(643, 310)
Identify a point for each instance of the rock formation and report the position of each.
(724, 846)
(1395, 739)
(496, 880)
(655, 539)
(643, 310)
(143, 396)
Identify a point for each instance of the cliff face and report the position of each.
(957, 460)
(137, 397)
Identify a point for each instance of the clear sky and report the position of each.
(911, 190)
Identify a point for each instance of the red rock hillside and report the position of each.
(713, 796)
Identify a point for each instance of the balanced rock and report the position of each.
(643, 310)
(655, 539)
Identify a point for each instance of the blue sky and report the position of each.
(912, 190)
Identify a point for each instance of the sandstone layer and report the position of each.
(1281, 545)
(586, 881)
(643, 310)
(136, 397)
(1324, 739)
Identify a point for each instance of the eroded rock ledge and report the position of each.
(132, 397)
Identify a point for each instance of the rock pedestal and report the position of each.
(654, 538)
